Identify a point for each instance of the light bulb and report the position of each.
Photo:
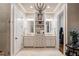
(48, 6)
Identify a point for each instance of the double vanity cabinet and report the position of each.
(39, 41)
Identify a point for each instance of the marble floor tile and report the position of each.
(39, 52)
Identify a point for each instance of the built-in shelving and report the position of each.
(39, 24)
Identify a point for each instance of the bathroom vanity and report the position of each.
(37, 41)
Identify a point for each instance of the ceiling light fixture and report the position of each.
(48, 6)
(31, 6)
(40, 7)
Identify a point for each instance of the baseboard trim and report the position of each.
(28, 46)
(39, 47)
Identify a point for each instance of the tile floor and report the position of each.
(39, 52)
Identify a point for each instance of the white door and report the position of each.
(18, 30)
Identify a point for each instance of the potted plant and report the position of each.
(75, 36)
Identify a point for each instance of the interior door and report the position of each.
(18, 30)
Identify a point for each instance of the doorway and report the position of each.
(61, 31)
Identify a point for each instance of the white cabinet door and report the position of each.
(37, 41)
(40, 40)
(28, 41)
(50, 41)
(43, 42)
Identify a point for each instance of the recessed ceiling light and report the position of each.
(48, 6)
(31, 6)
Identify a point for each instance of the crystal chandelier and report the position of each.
(40, 7)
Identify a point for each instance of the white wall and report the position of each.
(5, 27)
(61, 19)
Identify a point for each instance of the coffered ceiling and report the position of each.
(29, 7)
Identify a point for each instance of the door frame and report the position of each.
(65, 29)
(12, 26)
(12, 31)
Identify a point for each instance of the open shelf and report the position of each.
(39, 25)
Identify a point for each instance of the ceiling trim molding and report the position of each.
(22, 7)
(34, 12)
(57, 7)
(49, 12)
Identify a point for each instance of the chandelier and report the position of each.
(40, 7)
